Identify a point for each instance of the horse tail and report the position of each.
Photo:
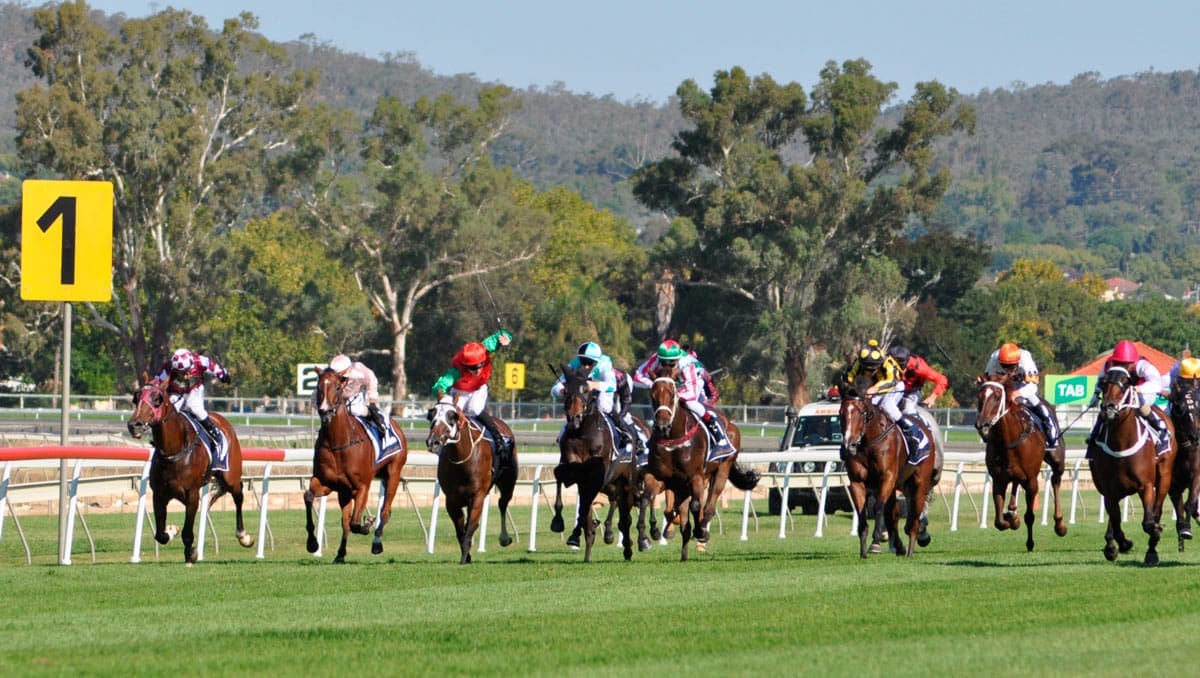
(742, 477)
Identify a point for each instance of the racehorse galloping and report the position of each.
(679, 460)
(1014, 454)
(181, 465)
(344, 462)
(876, 457)
(1123, 461)
(464, 471)
(1185, 415)
(586, 459)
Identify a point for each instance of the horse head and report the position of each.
(992, 399)
(855, 413)
(327, 398)
(664, 398)
(446, 423)
(578, 399)
(151, 405)
(1116, 392)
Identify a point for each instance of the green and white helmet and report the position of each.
(670, 350)
(590, 351)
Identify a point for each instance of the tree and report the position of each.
(425, 208)
(785, 240)
(180, 120)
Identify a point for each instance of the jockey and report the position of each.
(886, 390)
(1147, 382)
(688, 387)
(710, 387)
(185, 371)
(361, 389)
(466, 382)
(915, 373)
(1012, 359)
(602, 379)
(1184, 374)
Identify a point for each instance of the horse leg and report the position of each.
(162, 532)
(556, 523)
(235, 491)
(1014, 521)
(610, 537)
(1031, 492)
(696, 508)
(858, 497)
(1150, 524)
(191, 504)
(458, 516)
(626, 499)
(391, 482)
(1058, 465)
(1114, 537)
(891, 512)
(643, 502)
(685, 525)
(315, 490)
(474, 512)
(998, 490)
(362, 495)
(346, 502)
(587, 495)
(507, 485)
(880, 533)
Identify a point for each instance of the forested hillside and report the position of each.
(434, 208)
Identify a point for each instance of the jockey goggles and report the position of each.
(475, 368)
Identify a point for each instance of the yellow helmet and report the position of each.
(1189, 368)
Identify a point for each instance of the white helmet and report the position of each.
(340, 363)
(181, 360)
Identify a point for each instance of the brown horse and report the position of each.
(464, 471)
(876, 458)
(1185, 415)
(588, 459)
(679, 460)
(181, 465)
(344, 462)
(1123, 461)
(1015, 450)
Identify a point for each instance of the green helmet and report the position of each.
(670, 350)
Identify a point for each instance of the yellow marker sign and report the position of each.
(66, 240)
(514, 376)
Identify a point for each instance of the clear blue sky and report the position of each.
(643, 49)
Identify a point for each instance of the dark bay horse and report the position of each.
(1123, 461)
(344, 462)
(1015, 450)
(464, 471)
(1185, 415)
(181, 467)
(876, 456)
(679, 460)
(587, 452)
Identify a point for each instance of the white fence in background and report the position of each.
(961, 470)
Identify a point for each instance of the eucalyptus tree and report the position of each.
(775, 244)
(411, 202)
(181, 120)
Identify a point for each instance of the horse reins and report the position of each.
(1003, 411)
(441, 409)
(160, 419)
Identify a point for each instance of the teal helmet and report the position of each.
(590, 351)
(670, 350)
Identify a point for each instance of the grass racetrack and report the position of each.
(973, 602)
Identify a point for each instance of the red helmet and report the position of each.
(474, 353)
(1125, 352)
(1010, 354)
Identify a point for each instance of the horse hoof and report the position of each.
(505, 540)
(923, 540)
(1152, 557)
(1110, 553)
(1126, 546)
(656, 534)
(701, 547)
(573, 541)
(376, 548)
(312, 545)
(610, 538)
(556, 524)
(874, 548)
(1185, 533)
(247, 541)
(1060, 529)
(644, 544)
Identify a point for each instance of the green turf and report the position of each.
(973, 601)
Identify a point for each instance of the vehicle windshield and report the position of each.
(819, 430)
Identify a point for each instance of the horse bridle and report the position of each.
(160, 418)
(674, 399)
(441, 414)
(985, 428)
(1127, 401)
(588, 398)
(337, 403)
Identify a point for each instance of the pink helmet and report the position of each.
(1125, 352)
(181, 360)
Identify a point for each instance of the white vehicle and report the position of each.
(816, 427)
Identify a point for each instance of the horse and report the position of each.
(1185, 415)
(679, 449)
(1015, 450)
(1123, 461)
(464, 470)
(344, 462)
(181, 465)
(588, 459)
(876, 461)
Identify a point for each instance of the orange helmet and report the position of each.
(474, 353)
(1010, 354)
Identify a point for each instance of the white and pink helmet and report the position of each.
(181, 360)
(340, 364)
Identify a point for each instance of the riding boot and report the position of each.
(628, 437)
(210, 427)
(1049, 424)
(376, 417)
(713, 423)
(503, 451)
(1162, 437)
(912, 436)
